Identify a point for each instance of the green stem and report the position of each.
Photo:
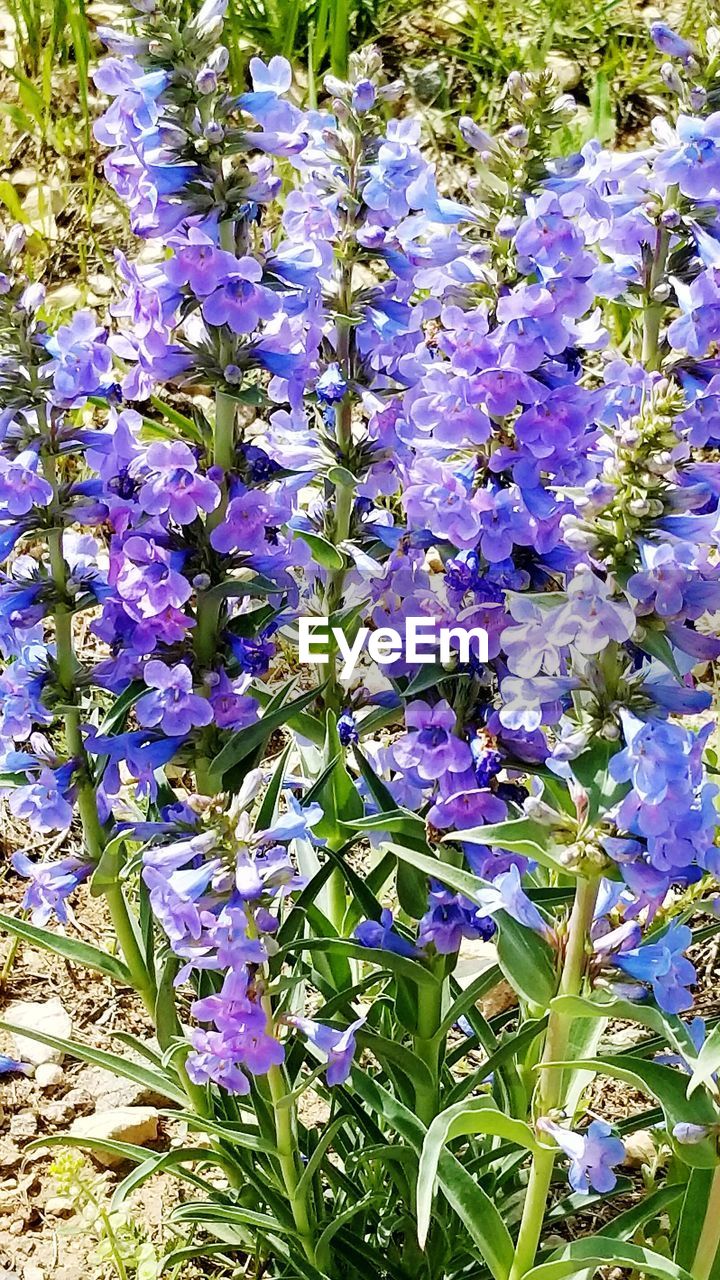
(653, 313)
(94, 836)
(285, 1128)
(426, 1045)
(549, 1091)
(709, 1243)
(208, 606)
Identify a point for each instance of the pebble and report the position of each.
(49, 1074)
(640, 1148)
(51, 1017)
(120, 1124)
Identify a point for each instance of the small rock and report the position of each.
(23, 1125)
(640, 1148)
(111, 1091)
(49, 1074)
(49, 1017)
(121, 1124)
(58, 1206)
(31, 1272)
(566, 70)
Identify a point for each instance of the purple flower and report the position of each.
(657, 755)
(592, 1154)
(51, 884)
(430, 745)
(664, 967)
(331, 386)
(450, 918)
(669, 42)
(43, 803)
(21, 485)
(380, 933)
(176, 488)
(438, 500)
(173, 707)
(212, 1061)
(242, 1022)
(692, 158)
(82, 360)
(146, 577)
(232, 708)
(13, 1066)
(239, 302)
(338, 1047)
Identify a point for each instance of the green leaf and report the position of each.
(671, 1029)
(160, 1162)
(112, 1062)
(692, 1216)
(401, 820)
(72, 949)
(478, 1115)
(592, 770)
(519, 835)
(658, 646)
(323, 552)
(212, 1211)
(473, 1206)
(526, 959)
(246, 740)
(268, 808)
(396, 1055)
(401, 966)
(708, 1062)
(591, 1253)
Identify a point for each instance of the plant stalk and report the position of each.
(94, 836)
(709, 1242)
(426, 1046)
(549, 1091)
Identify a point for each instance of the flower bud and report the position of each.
(363, 96)
(15, 240)
(671, 77)
(517, 136)
(516, 84)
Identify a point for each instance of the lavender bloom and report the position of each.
(173, 707)
(239, 301)
(450, 918)
(430, 745)
(668, 41)
(657, 755)
(175, 487)
(44, 803)
(13, 1066)
(331, 386)
(664, 967)
(692, 159)
(338, 1047)
(82, 360)
(380, 933)
(592, 1154)
(21, 485)
(51, 884)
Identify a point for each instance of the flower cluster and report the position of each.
(380, 402)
